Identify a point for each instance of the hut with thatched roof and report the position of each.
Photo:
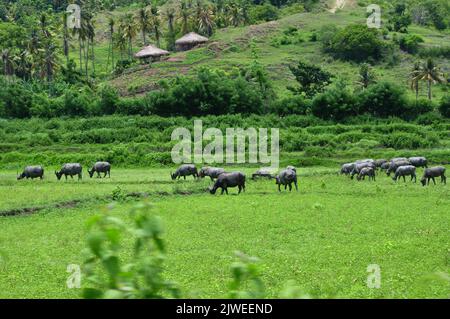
(151, 53)
(190, 40)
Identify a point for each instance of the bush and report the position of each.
(265, 12)
(109, 98)
(356, 42)
(429, 118)
(336, 103)
(16, 99)
(292, 105)
(444, 107)
(384, 99)
(410, 43)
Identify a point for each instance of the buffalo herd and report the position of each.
(399, 166)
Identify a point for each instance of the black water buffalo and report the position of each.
(418, 161)
(32, 172)
(366, 171)
(264, 173)
(379, 162)
(396, 164)
(359, 166)
(292, 168)
(407, 170)
(347, 168)
(433, 172)
(225, 180)
(71, 170)
(212, 172)
(185, 170)
(286, 178)
(100, 167)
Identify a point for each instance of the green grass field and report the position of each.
(322, 237)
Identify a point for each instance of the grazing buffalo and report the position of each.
(396, 164)
(397, 159)
(225, 180)
(347, 168)
(367, 160)
(212, 172)
(359, 166)
(264, 173)
(380, 162)
(418, 161)
(432, 173)
(292, 168)
(100, 167)
(185, 170)
(407, 170)
(366, 171)
(70, 170)
(385, 166)
(32, 172)
(286, 178)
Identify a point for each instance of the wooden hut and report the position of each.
(151, 53)
(190, 40)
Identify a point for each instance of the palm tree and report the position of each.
(184, 16)
(366, 76)
(49, 63)
(156, 24)
(111, 24)
(170, 14)
(144, 23)
(414, 79)
(23, 62)
(128, 27)
(430, 73)
(235, 13)
(66, 37)
(8, 63)
(205, 21)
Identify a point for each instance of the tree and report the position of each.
(205, 20)
(312, 79)
(128, 31)
(430, 73)
(66, 37)
(111, 24)
(184, 16)
(156, 25)
(366, 76)
(170, 15)
(414, 80)
(356, 42)
(143, 23)
(8, 63)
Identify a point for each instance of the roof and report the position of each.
(191, 38)
(151, 51)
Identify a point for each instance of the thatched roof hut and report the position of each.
(151, 52)
(190, 40)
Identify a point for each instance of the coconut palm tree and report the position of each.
(184, 15)
(129, 31)
(156, 25)
(205, 19)
(66, 37)
(430, 73)
(111, 24)
(414, 79)
(23, 62)
(235, 14)
(143, 18)
(8, 63)
(170, 15)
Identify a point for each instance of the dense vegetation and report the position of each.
(51, 71)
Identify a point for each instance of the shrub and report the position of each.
(336, 103)
(109, 98)
(429, 118)
(444, 107)
(292, 105)
(356, 42)
(410, 43)
(384, 99)
(264, 12)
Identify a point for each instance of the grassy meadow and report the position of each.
(322, 237)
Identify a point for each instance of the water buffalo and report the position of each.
(347, 168)
(185, 170)
(431, 173)
(32, 172)
(406, 170)
(71, 170)
(380, 162)
(418, 161)
(292, 168)
(367, 160)
(100, 167)
(366, 171)
(286, 178)
(359, 166)
(396, 164)
(396, 159)
(212, 172)
(262, 173)
(225, 180)
(385, 166)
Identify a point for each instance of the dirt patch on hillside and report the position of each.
(258, 31)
